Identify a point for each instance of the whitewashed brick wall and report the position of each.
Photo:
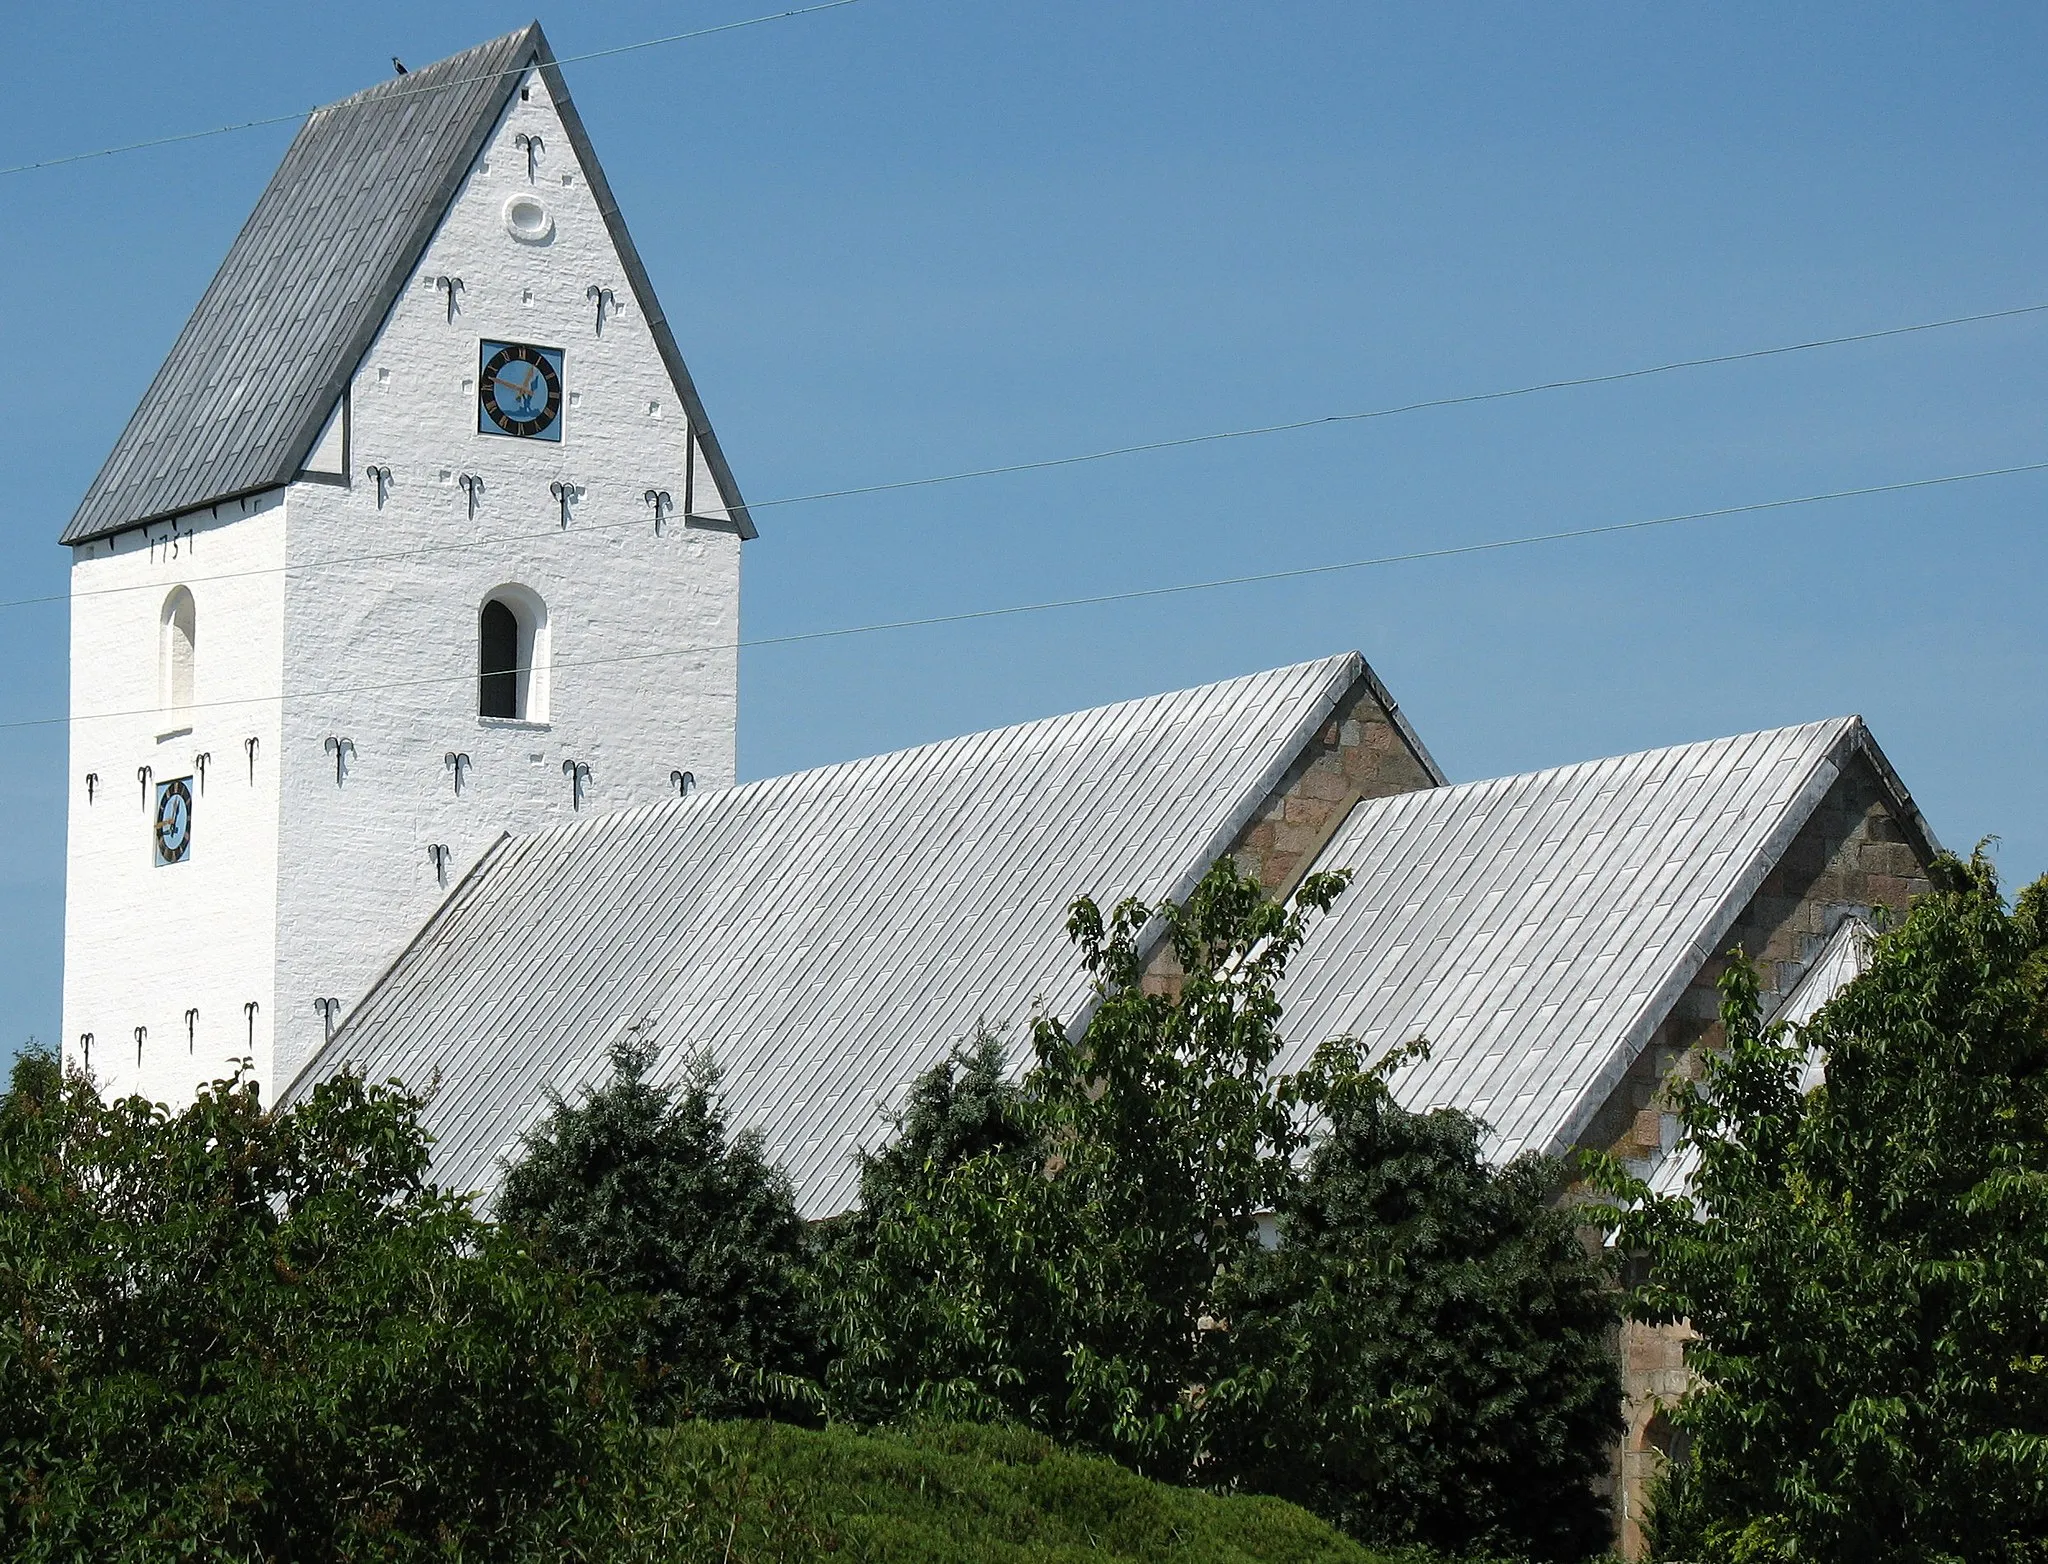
(371, 636)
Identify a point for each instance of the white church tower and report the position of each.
(419, 536)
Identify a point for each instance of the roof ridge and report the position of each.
(416, 83)
(1841, 723)
(1330, 664)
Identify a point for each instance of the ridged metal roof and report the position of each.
(1536, 929)
(252, 378)
(827, 935)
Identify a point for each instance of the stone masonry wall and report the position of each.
(1853, 856)
(1361, 752)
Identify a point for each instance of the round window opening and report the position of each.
(527, 220)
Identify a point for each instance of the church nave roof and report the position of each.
(827, 935)
(830, 935)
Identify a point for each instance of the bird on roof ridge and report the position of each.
(398, 65)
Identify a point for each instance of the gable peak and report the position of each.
(331, 245)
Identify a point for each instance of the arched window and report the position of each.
(512, 640)
(498, 662)
(178, 651)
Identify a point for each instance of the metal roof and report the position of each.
(827, 935)
(1536, 929)
(250, 381)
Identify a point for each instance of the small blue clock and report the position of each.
(174, 820)
(519, 391)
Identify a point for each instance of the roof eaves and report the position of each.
(227, 497)
(643, 289)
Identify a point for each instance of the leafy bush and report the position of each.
(1423, 1359)
(965, 1108)
(641, 1187)
(1865, 1265)
(1425, 1356)
(1060, 1270)
(236, 1333)
(934, 1494)
(245, 1334)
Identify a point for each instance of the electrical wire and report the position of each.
(1433, 404)
(1465, 400)
(1135, 594)
(413, 92)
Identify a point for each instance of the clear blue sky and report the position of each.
(910, 236)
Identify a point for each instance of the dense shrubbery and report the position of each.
(1866, 1265)
(1425, 1357)
(238, 1334)
(253, 1334)
(1422, 1358)
(759, 1493)
(642, 1186)
(1062, 1273)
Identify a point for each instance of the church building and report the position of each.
(405, 616)
(827, 937)
(420, 535)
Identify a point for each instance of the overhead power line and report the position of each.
(407, 92)
(1129, 595)
(1467, 399)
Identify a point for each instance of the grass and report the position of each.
(763, 1493)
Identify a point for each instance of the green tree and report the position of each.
(237, 1333)
(1424, 1356)
(914, 1321)
(1063, 1269)
(964, 1108)
(1865, 1264)
(642, 1187)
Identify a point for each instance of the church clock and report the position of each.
(519, 391)
(174, 820)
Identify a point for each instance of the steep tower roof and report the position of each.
(250, 382)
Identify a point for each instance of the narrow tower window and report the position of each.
(178, 652)
(498, 685)
(512, 655)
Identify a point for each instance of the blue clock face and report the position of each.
(519, 391)
(174, 820)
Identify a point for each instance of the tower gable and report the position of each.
(253, 380)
